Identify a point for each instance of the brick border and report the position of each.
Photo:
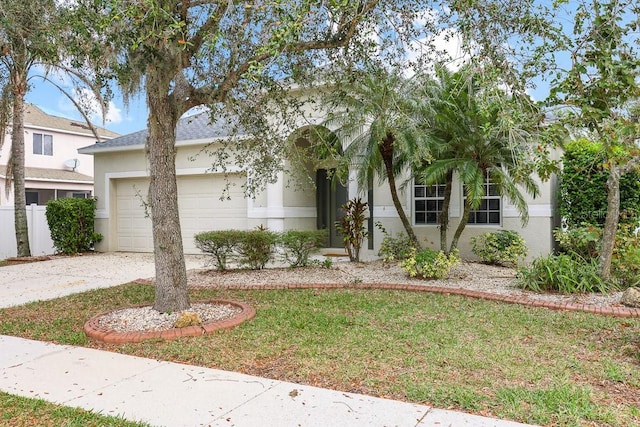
(615, 311)
(96, 332)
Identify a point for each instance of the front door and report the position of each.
(330, 196)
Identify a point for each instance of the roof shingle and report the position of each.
(190, 128)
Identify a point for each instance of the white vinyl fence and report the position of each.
(39, 235)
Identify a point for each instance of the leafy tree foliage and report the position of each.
(480, 131)
(583, 186)
(598, 94)
(29, 38)
(378, 112)
(229, 56)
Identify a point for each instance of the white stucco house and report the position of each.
(53, 167)
(122, 179)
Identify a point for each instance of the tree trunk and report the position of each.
(17, 166)
(386, 151)
(444, 214)
(610, 222)
(171, 275)
(461, 225)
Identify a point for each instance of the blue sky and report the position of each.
(121, 119)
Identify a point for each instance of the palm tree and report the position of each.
(378, 112)
(483, 134)
(29, 37)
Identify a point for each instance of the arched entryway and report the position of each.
(320, 151)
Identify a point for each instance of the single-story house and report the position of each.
(122, 180)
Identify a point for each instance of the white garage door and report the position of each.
(199, 204)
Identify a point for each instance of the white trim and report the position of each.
(89, 134)
(285, 212)
(535, 211)
(95, 149)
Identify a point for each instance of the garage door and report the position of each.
(199, 204)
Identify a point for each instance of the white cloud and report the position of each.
(89, 103)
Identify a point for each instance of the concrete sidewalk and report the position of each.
(171, 394)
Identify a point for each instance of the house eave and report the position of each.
(138, 147)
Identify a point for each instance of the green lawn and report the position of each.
(22, 412)
(520, 363)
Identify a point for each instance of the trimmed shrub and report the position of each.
(583, 190)
(71, 223)
(220, 244)
(256, 248)
(429, 264)
(563, 273)
(396, 248)
(504, 247)
(298, 245)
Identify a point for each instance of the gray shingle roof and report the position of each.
(34, 116)
(38, 174)
(196, 127)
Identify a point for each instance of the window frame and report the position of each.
(491, 196)
(426, 194)
(42, 144)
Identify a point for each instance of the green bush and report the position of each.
(563, 273)
(392, 248)
(221, 244)
(429, 264)
(503, 247)
(71, 223)
(582, 241)
(297, 245)
(256, 248)
(625, 263)
(583, 191)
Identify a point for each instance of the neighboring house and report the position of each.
(53, 167)
(122, 180)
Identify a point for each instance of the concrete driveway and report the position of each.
(61, 276)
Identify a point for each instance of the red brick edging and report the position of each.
(95, 331)
(615, 311)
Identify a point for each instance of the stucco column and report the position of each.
(275, 204)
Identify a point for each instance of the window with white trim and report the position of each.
(427, 203)
(43, 144)
(489, 211)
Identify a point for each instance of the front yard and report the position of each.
(507, 361)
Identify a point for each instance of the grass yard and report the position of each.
(513, 362)
(23, 412)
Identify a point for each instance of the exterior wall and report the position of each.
(65, 147)
(537, 232)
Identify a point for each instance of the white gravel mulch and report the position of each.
(146, 319)
(468, 275)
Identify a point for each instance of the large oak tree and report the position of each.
(221, 54)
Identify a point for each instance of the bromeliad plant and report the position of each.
(352, 228)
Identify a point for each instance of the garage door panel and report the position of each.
(200, 210)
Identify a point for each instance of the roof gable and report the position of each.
(35, 117)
